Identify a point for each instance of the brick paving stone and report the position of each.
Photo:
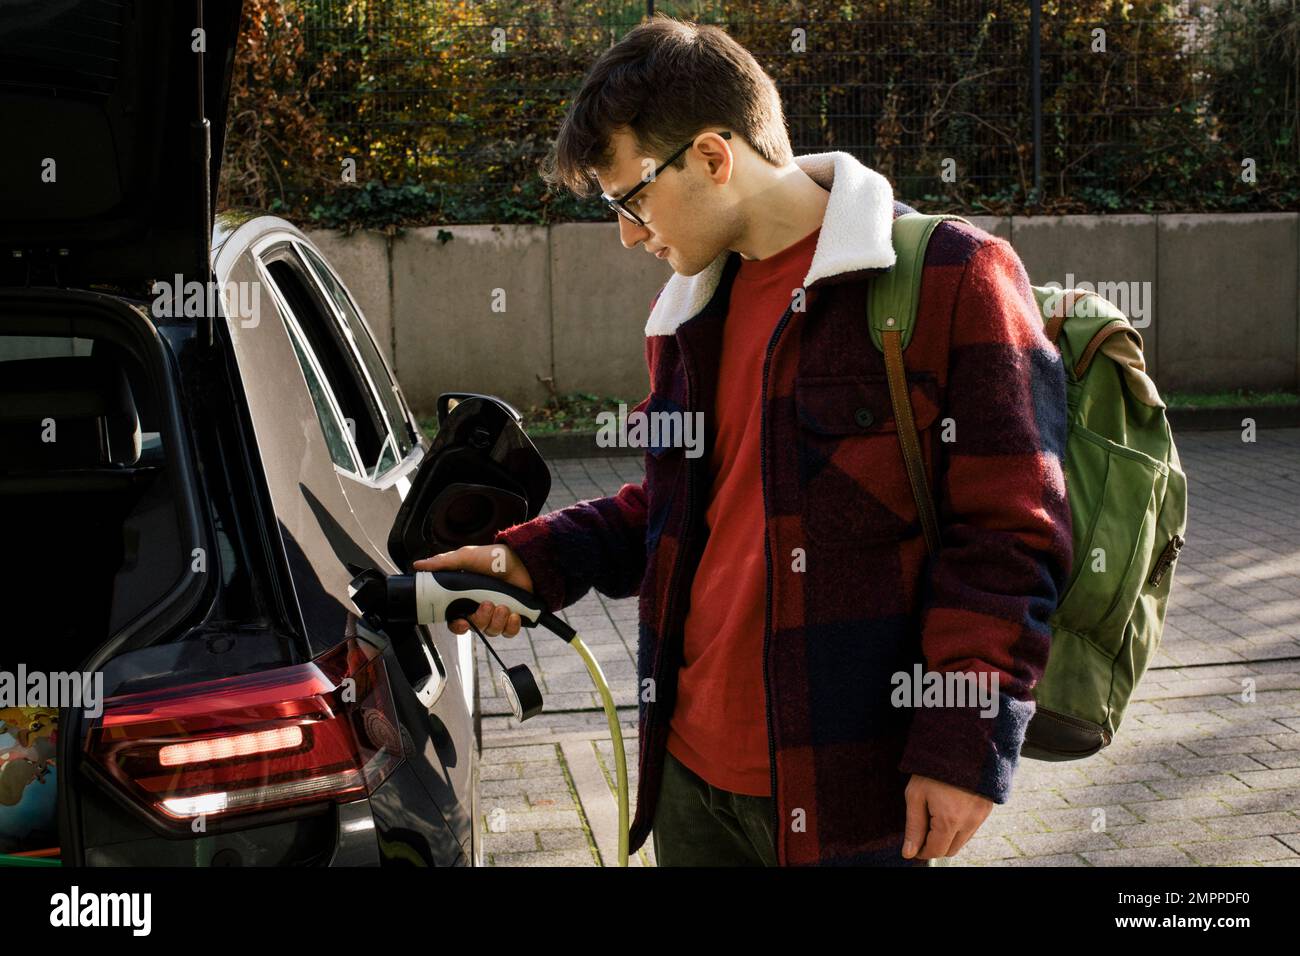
(1060, 859)
(519, 785)
(1155, 834)
(545, 858)
(523, 841)
(1080, 818)
(1271, 779)
(1128, 773)
(546, 800)
(1064, 841)
(1211, 746)
(563, 840)
(1037, 799)
(1279, 759)
(1291, 839)
(1206, 786)
(1138, 856)
(1111, 793)
(1262, 801)
(510, 801)
(987, 848)
(1254, 824)
(1255, 850)
(1002, 822)
(1222, 763)
(530, 752)
(541, 819)
(1141, 747)
(1180, 808)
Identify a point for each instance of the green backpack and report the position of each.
(1126, 489)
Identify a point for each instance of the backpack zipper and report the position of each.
(1167, 557)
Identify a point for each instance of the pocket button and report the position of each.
(863, 417)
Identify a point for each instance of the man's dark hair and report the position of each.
(666, 80)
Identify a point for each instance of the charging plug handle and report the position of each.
(432, 597)
(454, 595)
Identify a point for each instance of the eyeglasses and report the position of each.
(619, 205)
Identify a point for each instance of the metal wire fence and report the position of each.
(446, 108)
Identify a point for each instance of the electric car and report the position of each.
(194, 469)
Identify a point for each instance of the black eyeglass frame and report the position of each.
(618, 204)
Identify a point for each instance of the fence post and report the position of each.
(1036, 65)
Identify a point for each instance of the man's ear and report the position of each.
(718, 158)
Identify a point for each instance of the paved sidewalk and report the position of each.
(1197, 775)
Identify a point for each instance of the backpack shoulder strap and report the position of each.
(892, 299)
(893, 295)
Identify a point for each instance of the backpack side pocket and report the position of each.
(1115, 492)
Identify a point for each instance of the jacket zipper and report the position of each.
(674, 577)
(767, 558)
(670, 611)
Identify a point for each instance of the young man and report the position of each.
(786, 594)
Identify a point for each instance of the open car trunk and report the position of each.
(98, 505)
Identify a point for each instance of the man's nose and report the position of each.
(629, 233)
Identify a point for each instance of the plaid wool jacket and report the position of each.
(853, 598)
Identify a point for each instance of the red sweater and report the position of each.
(719, 726)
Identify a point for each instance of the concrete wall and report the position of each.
(1228, 284)
(600, 300)
(472, 311)
(502, 308)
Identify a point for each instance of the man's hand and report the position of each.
(495, 560)
(941, 817)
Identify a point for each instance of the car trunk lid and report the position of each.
(103, 179)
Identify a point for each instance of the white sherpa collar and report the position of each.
(855, 235)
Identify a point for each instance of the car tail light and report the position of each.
(321, 731)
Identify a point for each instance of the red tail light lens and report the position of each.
(325, 730)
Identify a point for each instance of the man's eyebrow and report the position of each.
(624, 192)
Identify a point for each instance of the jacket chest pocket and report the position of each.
(853, 483)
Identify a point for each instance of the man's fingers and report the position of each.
(466, 558)
(918, 819)
(485, 619)
(960, 839)
(435, 562)
(493, 623)
(939, 840)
